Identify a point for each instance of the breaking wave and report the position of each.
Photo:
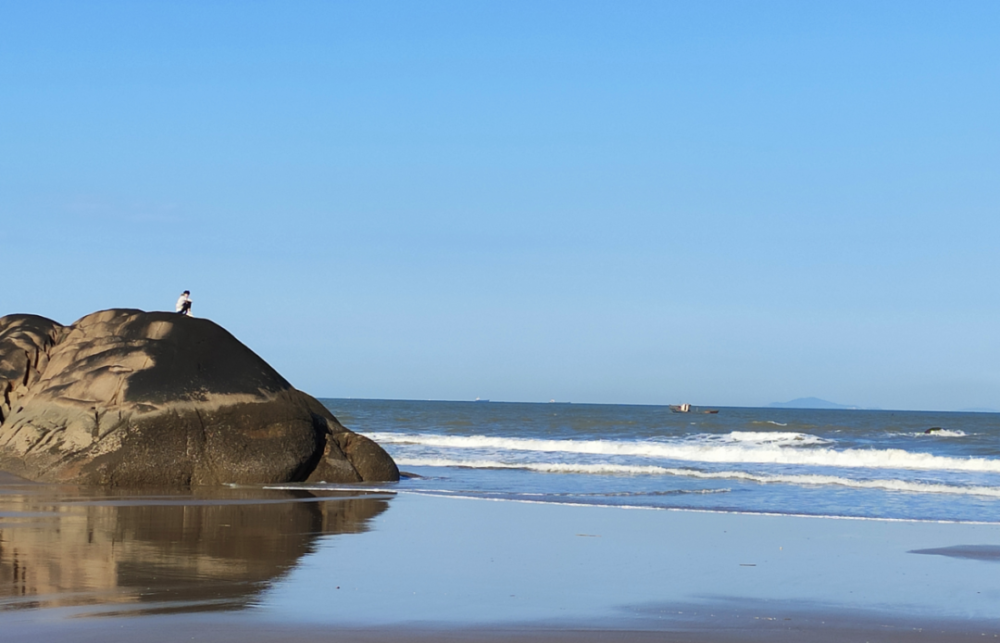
(940, 433)
(736, 450)
(777, 438)
(651, 470)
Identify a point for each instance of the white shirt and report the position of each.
(181, 301)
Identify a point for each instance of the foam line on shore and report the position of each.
(466, 495)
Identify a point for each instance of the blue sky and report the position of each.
(726, 203)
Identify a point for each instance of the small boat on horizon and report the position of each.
(687, 408)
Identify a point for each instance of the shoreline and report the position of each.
(367, 564)
(734, 512)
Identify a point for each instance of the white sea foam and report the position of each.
(618, 469)
(545, 467)
(769, 422)
(702, 452)
(940, 433)
(777, 438)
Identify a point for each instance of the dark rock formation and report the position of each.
(129, 398)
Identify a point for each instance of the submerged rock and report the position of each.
(128, 398)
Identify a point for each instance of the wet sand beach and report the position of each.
(323, 564)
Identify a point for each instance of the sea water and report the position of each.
(838, 463)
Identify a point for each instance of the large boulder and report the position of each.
(129, 398)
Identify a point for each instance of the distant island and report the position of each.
(810, 403)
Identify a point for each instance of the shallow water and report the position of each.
(866, 464)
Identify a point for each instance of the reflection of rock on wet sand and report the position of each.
(62, 547)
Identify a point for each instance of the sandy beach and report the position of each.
(256, 564)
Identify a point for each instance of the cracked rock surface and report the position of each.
(129, 398)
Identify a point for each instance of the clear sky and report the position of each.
(724, 203)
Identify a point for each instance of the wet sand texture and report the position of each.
(257, 564)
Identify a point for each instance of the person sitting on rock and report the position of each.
(184, 303)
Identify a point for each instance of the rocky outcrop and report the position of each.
(129, 398)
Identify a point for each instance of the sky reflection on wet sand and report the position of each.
(296, 559)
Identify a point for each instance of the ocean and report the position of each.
(897, 465)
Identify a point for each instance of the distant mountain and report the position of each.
(978, 410)
(810, 403)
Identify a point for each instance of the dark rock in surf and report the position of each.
(129, 398)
